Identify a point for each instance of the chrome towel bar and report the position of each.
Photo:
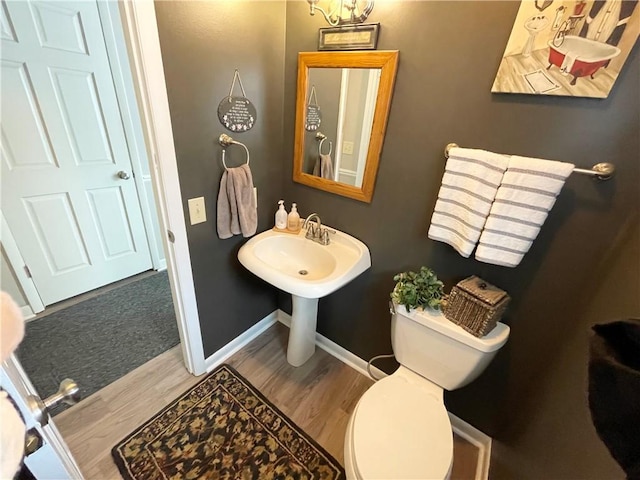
(600, 171)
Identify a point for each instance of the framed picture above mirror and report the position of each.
(347, 96)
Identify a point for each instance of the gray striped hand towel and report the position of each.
(528, 191)
(469, 185)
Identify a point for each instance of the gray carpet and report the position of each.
(101, 339)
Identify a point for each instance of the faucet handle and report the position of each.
(311, 231)
(324, 236)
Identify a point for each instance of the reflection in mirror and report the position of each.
(346, 97)
(342, 106)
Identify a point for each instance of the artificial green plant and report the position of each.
(422, 289)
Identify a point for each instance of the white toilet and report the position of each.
(400, 428)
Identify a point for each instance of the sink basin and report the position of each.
(306, 270)
(303, 267)
(536, 24)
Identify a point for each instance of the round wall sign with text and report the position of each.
(237, 114)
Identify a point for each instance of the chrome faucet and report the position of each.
(318, 233)
(313, 232)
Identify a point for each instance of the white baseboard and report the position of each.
(474, 436)
(27, 313)
(480, 439)
(347, 172)
(240, 341)
(342, 354)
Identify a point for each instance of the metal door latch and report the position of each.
(32, 441)
(68, 393)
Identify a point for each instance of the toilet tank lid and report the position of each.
(435, 320)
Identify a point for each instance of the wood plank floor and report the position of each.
(318, 396)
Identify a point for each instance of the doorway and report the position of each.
(142, 50)
(77, 188)
(73, 182)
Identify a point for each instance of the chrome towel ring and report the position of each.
(225, 140)
(322, 137)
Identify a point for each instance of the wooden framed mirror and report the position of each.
(342, 107)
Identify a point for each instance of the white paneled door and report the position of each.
(67, 189)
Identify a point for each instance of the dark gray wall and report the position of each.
(449, 55)
(202, 43)
(558, 436)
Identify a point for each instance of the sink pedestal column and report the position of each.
(528, 46)
(302, 334)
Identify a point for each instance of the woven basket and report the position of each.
(476, 305)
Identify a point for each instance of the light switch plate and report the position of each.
(347, 148)
(197, 213)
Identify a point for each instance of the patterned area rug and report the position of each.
(223, 428)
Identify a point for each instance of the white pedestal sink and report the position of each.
(306, 270)
(533, 25)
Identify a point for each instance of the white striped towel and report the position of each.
(469, 185)
(528, 191)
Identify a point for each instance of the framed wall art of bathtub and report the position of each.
(571, 48)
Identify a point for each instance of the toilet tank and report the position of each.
(441, 351)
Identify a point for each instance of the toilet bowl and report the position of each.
(400, 428)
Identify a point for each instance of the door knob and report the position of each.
(124, 175)
(68, 393)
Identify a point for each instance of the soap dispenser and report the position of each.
(281, 216)
(293, 220)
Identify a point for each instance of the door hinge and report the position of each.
(171, 236)
(27, 271)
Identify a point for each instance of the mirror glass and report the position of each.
(346, 100)
(342, 107)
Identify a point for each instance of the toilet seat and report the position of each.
(401, 429)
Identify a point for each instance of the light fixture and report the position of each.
(335, 16)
